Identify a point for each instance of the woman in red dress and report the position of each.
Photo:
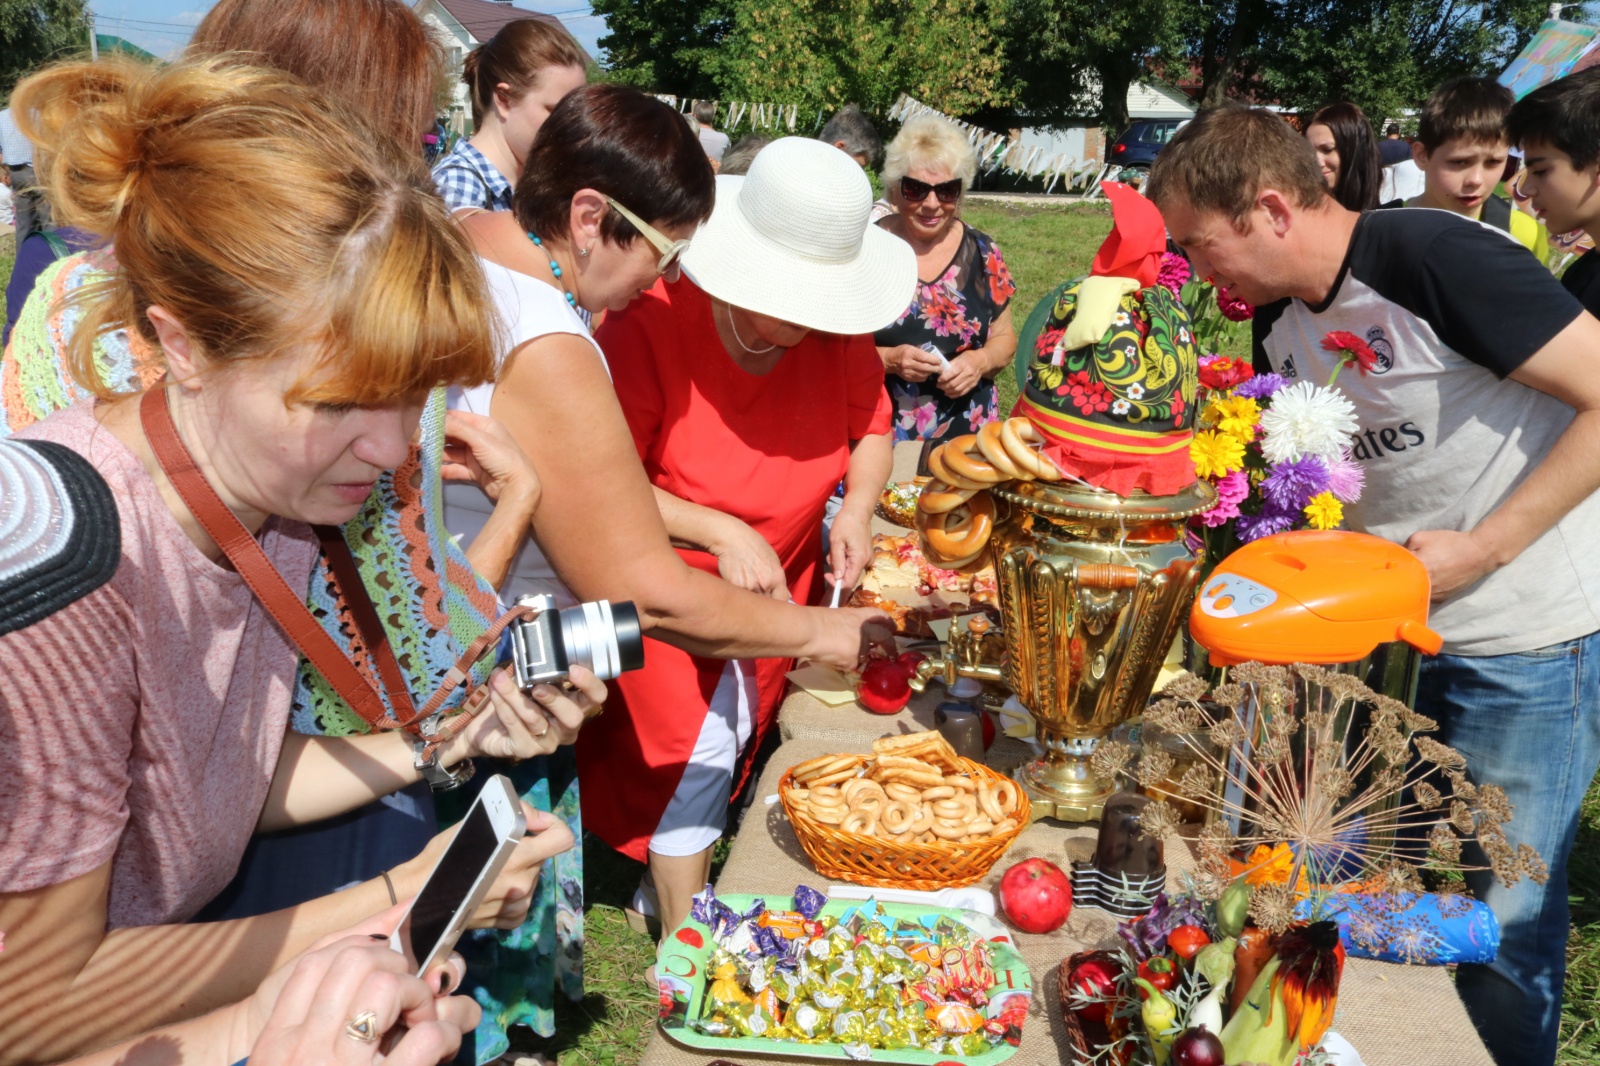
(751, 386)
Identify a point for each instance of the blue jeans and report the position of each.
(1530, 723)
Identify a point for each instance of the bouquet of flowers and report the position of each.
(1277, 452)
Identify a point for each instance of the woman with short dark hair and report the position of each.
(1347, 154)
(615, 185)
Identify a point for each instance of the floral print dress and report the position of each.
(952, 314)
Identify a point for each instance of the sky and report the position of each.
(164, 26)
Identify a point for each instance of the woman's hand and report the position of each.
(508, 899)
(909, 362)
(744, 558)
(849, 547)
(310, 1005)
(511, 725)
(849, 635)
(962, 376)
(481, 450)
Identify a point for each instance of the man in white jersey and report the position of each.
(1480, 439)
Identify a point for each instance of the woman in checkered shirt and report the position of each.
(514, 80)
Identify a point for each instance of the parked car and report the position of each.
(1139, 145)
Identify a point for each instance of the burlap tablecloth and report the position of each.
(1393, 1015)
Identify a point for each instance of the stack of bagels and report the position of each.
(955, 513)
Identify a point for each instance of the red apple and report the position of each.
(990, 730)
(1095, 977)
(884, 688)
(909, 661)
(1036, 896)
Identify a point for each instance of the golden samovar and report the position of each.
(1093, 588)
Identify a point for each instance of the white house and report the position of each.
(463, 25)
(1080, 141)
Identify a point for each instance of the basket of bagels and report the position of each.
(911, 814)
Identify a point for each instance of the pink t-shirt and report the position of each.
(141, 725)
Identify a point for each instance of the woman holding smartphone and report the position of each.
(304, 298)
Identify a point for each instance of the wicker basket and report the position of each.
(881, 863)
(1086, 1037)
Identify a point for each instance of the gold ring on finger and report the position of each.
(363, 1027)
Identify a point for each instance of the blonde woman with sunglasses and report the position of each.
(942, 354)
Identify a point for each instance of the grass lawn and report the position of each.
(1043, 246)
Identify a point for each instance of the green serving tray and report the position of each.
(682, 977)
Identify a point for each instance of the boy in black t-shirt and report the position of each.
(1461, 148)
(1557, 126)
(1480, 441)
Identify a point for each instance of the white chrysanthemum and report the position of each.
(1305, 419)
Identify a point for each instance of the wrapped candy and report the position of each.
(725, 992)
(863, 980)
(810, 1022)
(787, 924)
(955, 1019)
(808, 901)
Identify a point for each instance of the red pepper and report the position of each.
(1186, 940)
(1160, 972)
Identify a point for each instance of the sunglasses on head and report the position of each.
(670, 251)
(914, 191)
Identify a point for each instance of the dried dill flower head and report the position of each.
(1440, 754)
(1272, 907)
(1185, 687)
(1111, 759)
(1159, 819)
(1176, 718)
(1155, 765)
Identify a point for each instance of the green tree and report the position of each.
(814, 53)
(664, 45)
(33, 32)
(1385, 55)
(1078, 58)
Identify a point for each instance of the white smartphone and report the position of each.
(484, 840)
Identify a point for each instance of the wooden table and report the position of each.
(1393, 1015)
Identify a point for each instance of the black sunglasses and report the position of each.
(914, 191)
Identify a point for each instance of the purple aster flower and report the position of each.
(1346, 479)
(1261, 387)
(1269, 521)
(1290, 485)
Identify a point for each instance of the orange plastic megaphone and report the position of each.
(1313, 597)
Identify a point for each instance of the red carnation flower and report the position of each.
(1351, 350)
(1219, 373)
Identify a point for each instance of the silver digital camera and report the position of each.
(602, 636)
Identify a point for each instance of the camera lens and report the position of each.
(603, 637)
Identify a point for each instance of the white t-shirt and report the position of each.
(1451, 307)
(528, 309)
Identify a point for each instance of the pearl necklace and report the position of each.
(734, 326)
(555, 268)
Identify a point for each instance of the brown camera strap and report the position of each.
(289, 609)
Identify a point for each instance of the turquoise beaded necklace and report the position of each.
(555, 268)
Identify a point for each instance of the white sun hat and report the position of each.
(793, 239)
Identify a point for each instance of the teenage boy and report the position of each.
(1557, 127)
(1480, 439)
(1461, 148)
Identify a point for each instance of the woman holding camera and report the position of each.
(303, 300)
(614, 187)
